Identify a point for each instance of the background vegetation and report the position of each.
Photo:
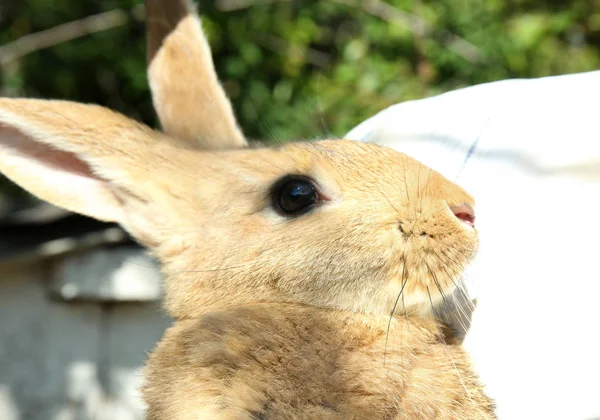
(300, 69)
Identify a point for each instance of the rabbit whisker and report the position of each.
(326, 130)
(462, 382)
(418, 188)
(430, 300)
(404, 308)
(406, 184)
(419, 213)
(195, 271)
(463, 317)
(437, 283)
(446, 266)
(214, 269)
(456, 267)
(457, 272)
(425, 190)
(387, 335)
(272, 133)
(388, 200)
(460, 250)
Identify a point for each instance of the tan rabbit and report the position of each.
(282, 265)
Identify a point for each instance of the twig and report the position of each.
(281, 46)
(420, 27)
(383, 11)
(464, 48)
(66, 32)
(232, 5)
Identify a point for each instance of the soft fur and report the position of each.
(286, 361)
(275, 317)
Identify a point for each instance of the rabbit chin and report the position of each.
(429, 281)
(418, 298)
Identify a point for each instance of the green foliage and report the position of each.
(307, 69)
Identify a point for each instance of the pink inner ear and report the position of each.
(69, 162)
(57, 172)
(46, 155)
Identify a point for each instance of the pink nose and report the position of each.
(464, 213)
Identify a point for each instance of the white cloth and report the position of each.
(529, 153)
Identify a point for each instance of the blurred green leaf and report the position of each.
(311, 69)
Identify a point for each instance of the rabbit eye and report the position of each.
(295, 195)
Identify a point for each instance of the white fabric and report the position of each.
(533, 166)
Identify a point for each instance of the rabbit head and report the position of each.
(333, 223)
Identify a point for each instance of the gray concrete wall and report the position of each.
(74, 333)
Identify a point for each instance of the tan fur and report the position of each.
(187, 96)
(275, 317)
(273, 361)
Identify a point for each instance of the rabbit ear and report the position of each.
(83, 158)
(186, 92)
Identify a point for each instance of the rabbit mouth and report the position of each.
(433, 258)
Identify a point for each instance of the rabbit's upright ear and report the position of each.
(190, 102)
(86, 159)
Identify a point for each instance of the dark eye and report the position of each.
(294, 196)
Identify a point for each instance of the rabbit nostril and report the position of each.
(464, 213)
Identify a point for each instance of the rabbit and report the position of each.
(303, 279)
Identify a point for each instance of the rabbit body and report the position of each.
(277, 361)
(276, 316)
(279, 314)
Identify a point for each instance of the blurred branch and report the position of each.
(383, 11)
(9, 70)
(67, 32)
(462, 47)
(232, 5)
(420, 27)
(281, 46)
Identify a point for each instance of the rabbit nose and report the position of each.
(464, 213)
